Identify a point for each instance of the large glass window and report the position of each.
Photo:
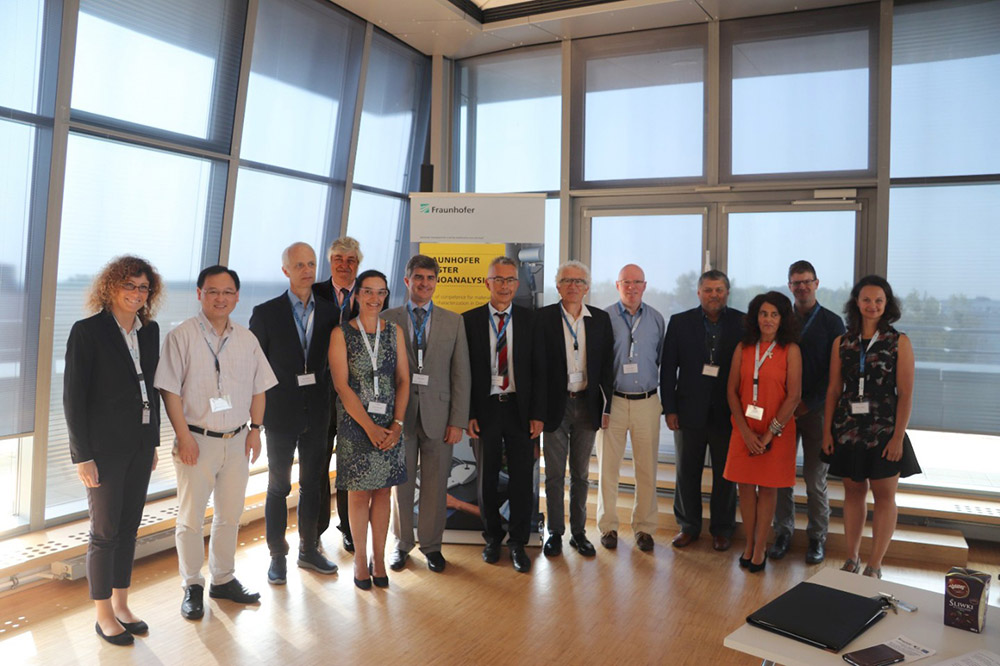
(943, 266)
(798, 92)
(123, 199)
(945, 88)
(175, 73)
(21, 31)
(762, 245)
(373, 221)
(508, 121)
(643, 105)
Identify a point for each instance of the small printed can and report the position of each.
(966, 593)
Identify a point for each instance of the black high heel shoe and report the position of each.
(363, 583)
(754, 568)
(380, 581)
(745, 561)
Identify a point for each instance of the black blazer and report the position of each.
(291, 408)
(101, 397)
(324, 290)
(530, 401)
(600, 364)
(696, 398)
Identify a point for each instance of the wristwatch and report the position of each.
(255, 426)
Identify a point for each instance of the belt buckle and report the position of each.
(228, 435)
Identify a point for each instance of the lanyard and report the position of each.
(418, 333)
(632, 328)
(372, 354)
(757, 362)
(132, 342)
(509, 315)
(305, 324)
(215, 355)
(809, 321)
(861, 364)
(572, 331)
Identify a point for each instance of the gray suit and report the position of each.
(443, 402)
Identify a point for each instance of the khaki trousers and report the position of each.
(641, 420)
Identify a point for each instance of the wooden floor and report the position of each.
(666, 607)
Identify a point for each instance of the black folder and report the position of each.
(821, 616)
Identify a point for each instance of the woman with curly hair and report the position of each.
(113, 418)
(765, 384)
(868, 403)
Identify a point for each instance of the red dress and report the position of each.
(776, 468)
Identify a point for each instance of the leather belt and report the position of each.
(211, 433)
(504, 397)
(576, 394)
(636, 396)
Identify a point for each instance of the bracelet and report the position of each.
(398, 422)
(775, 427)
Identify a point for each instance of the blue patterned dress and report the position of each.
(360, 465)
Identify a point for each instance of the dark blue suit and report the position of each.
(700, 403)
(295, 416)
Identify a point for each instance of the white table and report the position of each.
(926, 627)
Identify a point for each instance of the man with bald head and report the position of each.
(294, 333)
(635, 409)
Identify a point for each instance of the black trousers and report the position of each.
(691, 446)
(280, 454)
(325, 510)
(115, 513)
(510, 438)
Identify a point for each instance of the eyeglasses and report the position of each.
(132, 286)
(578, 282)
(800, 283)
(508, 281)
(368, 291)
(631, 283)
(214, 293)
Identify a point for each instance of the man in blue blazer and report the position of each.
(577, 344)
(294, 333)
(697, 352)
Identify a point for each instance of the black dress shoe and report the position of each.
(780, 546)
(435, 561)
(365, 584)
(316, 561)
(348, 543)
(233, 591)
(398, 560)
(754, 568)
(491, 552)
(745, 561)
(137, 628)
(815, 554)
(277, 573)
(378, 581)
(124, 638)
(582, 545)
(193, 606)
(522, 563)
(553, 545)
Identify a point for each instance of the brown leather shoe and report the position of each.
(644, 541)
(721, 543)
(683, 539)
(610, 539)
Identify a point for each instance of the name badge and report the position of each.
(710, 370)
(421, 380)
(575, 377)
(307, 379)
(862, 407)
(377, 407)
(755, 412)
(145, 416)
(630, 368)
(497, 380)
(220, 404)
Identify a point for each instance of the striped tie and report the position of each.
(502, 352)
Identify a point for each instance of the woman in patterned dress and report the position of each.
(868, 405)
(373, 386)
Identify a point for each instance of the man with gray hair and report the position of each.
(577, 346)
(436, 414)
(294, 333)
(345, 257)
(697, 352)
